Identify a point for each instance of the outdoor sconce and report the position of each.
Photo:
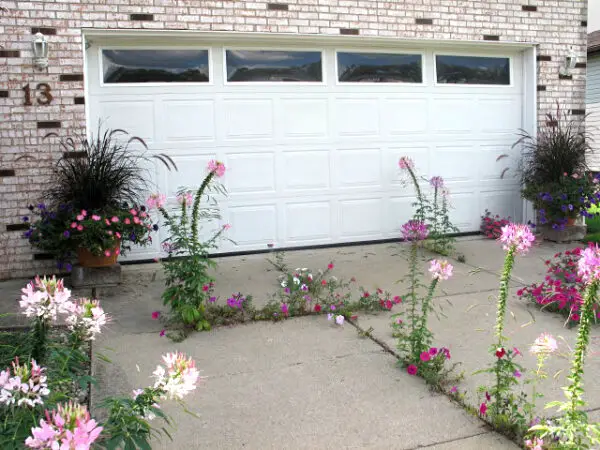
(39, 46)
(570, 61)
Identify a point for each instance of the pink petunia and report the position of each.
(483, 409)
(155, 315)
(80, 217)
(330, 266)
(114, 219)
(412, 369)
(107, 253)
(79, 227)
(73, 224)
(425, 356)
(127, 221)
(96, 217)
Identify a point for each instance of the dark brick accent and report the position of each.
(529, 8)
(17, 227)
(142, 17)
(541, 88)
(74, 155)
(10, 53)
(552, 123)
(71, 77)
(491, 37)
(424, 21)
(544, 58)
(581, 65)
(584, 23)
(79, 100)
(48, 124)
(42, 257)
(277, 7)
(565, 77)
(7, 173)
(3, 94)
(578, 112)
(44, 30)
(349, 31)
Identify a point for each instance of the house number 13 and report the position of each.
(43, 96)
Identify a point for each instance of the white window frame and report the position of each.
(381, 52)
(474, 55)
(321, 51)
(211, 80)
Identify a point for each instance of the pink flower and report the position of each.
(517, 374)
(544, 344)
(412, 369)
(425, 356)
(73, 224)
(414, 230)
(79, 227)
(162, 332)
(185, 198)
(330, 266)
(205, 288)
(155, 201)
(114, 219)
(517, 236)
(106, 253)
(440, 270)
(483, 409)
(588, 266)
(517, 352)
(436, 182)
(118, 235)
(107, 222)
(117, 251)
(285, 308)
(127, 221)
(339, 319)
(136, 220)
(454, 390)
(226, 226)
(406, 163)
(83, 212)
(155, 315)
(96, 217)
(433, 351)
(133, 212)
(80, 217)
(216, 167)
(536, 444)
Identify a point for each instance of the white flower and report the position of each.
(179, 378)
(87, 318)
(26, 386)
(296, 280)
(329, 316)
(45, 298)
(339, 319)
(283, 284)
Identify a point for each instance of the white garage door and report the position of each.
(311, 135)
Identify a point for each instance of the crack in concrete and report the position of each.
(451, 440)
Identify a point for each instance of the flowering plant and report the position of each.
(491, 226)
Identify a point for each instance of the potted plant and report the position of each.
(554, 173)
(91, 208)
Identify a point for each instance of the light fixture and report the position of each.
(570, 61)
(39, 46)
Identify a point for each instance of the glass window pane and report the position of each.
(379, 68)
(155, 66)
(259, 65)
(472, 70)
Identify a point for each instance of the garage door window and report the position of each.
(379, 68)
(273, 66)
(451, 69)
(155, 66)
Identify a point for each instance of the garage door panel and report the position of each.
(306, 169)
(360, 218)
(191, 170)
(404, 116)
(304, 117)
(504, 202)
(453, 115)
(464, 212)
(418, 153)
(308, 221)
(253, 225)
(356, 117)
(455, 163)
(250, 172)
(494, 166)
(356, 168)
(248, 119)
(499, 115)
(134, 116)
(188, 120)
(400, 210)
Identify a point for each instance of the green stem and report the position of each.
(503, 295)
(424, 314)
(420, 214)
(413, 296)
(40, 333)
(196, 206)
(583, 340)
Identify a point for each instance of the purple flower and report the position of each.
(332, 307)
(437, 182)
(68, 267)
(287, 290)
(162, 332)
(25, 219)
(517, 374)
(66, 234)
(414, 230)
(212, 299)
(285, 308)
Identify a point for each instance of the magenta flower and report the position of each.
(216, 167)
(440, 270)
(425, 356)
(162, 332)
(517, 236)
(406, 163)
(285, 308)
(436, 182)
(483, 409)
(414, 230)
(155, 315)
(412, 369)
(588, 266)
(433, 351)
(517, 374)
(454, 390)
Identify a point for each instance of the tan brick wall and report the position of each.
(554, 24)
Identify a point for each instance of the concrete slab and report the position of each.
(297, 384)
(483, 441)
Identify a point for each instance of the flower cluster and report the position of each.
(217, 167)
(236, 301)
(178, 378)
(378, 300)
(86, 318)
(156, 201)
(588, 267)
(440, 270)
(186, 198)
(562, 289)
(491, 226)
(45, 298)
(339, 319)
(69, 426)
(405, 163)
(23, 385)
(437, 182)
(518, 237)
(544, 344)
(414, 230)
(534, 444)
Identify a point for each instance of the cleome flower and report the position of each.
(23, 385)
(437, 182)
(185, 198)
(45, 298)
(156, 201)
(517, 236)
(588, 266)
(178, 378)
(69, 426)
(440, 270)
(406, 163)
(86, 318)
(414, 230)
(217, 167)
(544, 344)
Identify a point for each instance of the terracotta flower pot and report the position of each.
(88, 259)
(570, 221)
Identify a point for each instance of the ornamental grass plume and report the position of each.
(68, 427)
(23, 385)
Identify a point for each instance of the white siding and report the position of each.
(593, 80)
(593, 109)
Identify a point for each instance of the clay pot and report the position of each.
(88, 259)
(570, 221)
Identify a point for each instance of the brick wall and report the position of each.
(26, 158)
